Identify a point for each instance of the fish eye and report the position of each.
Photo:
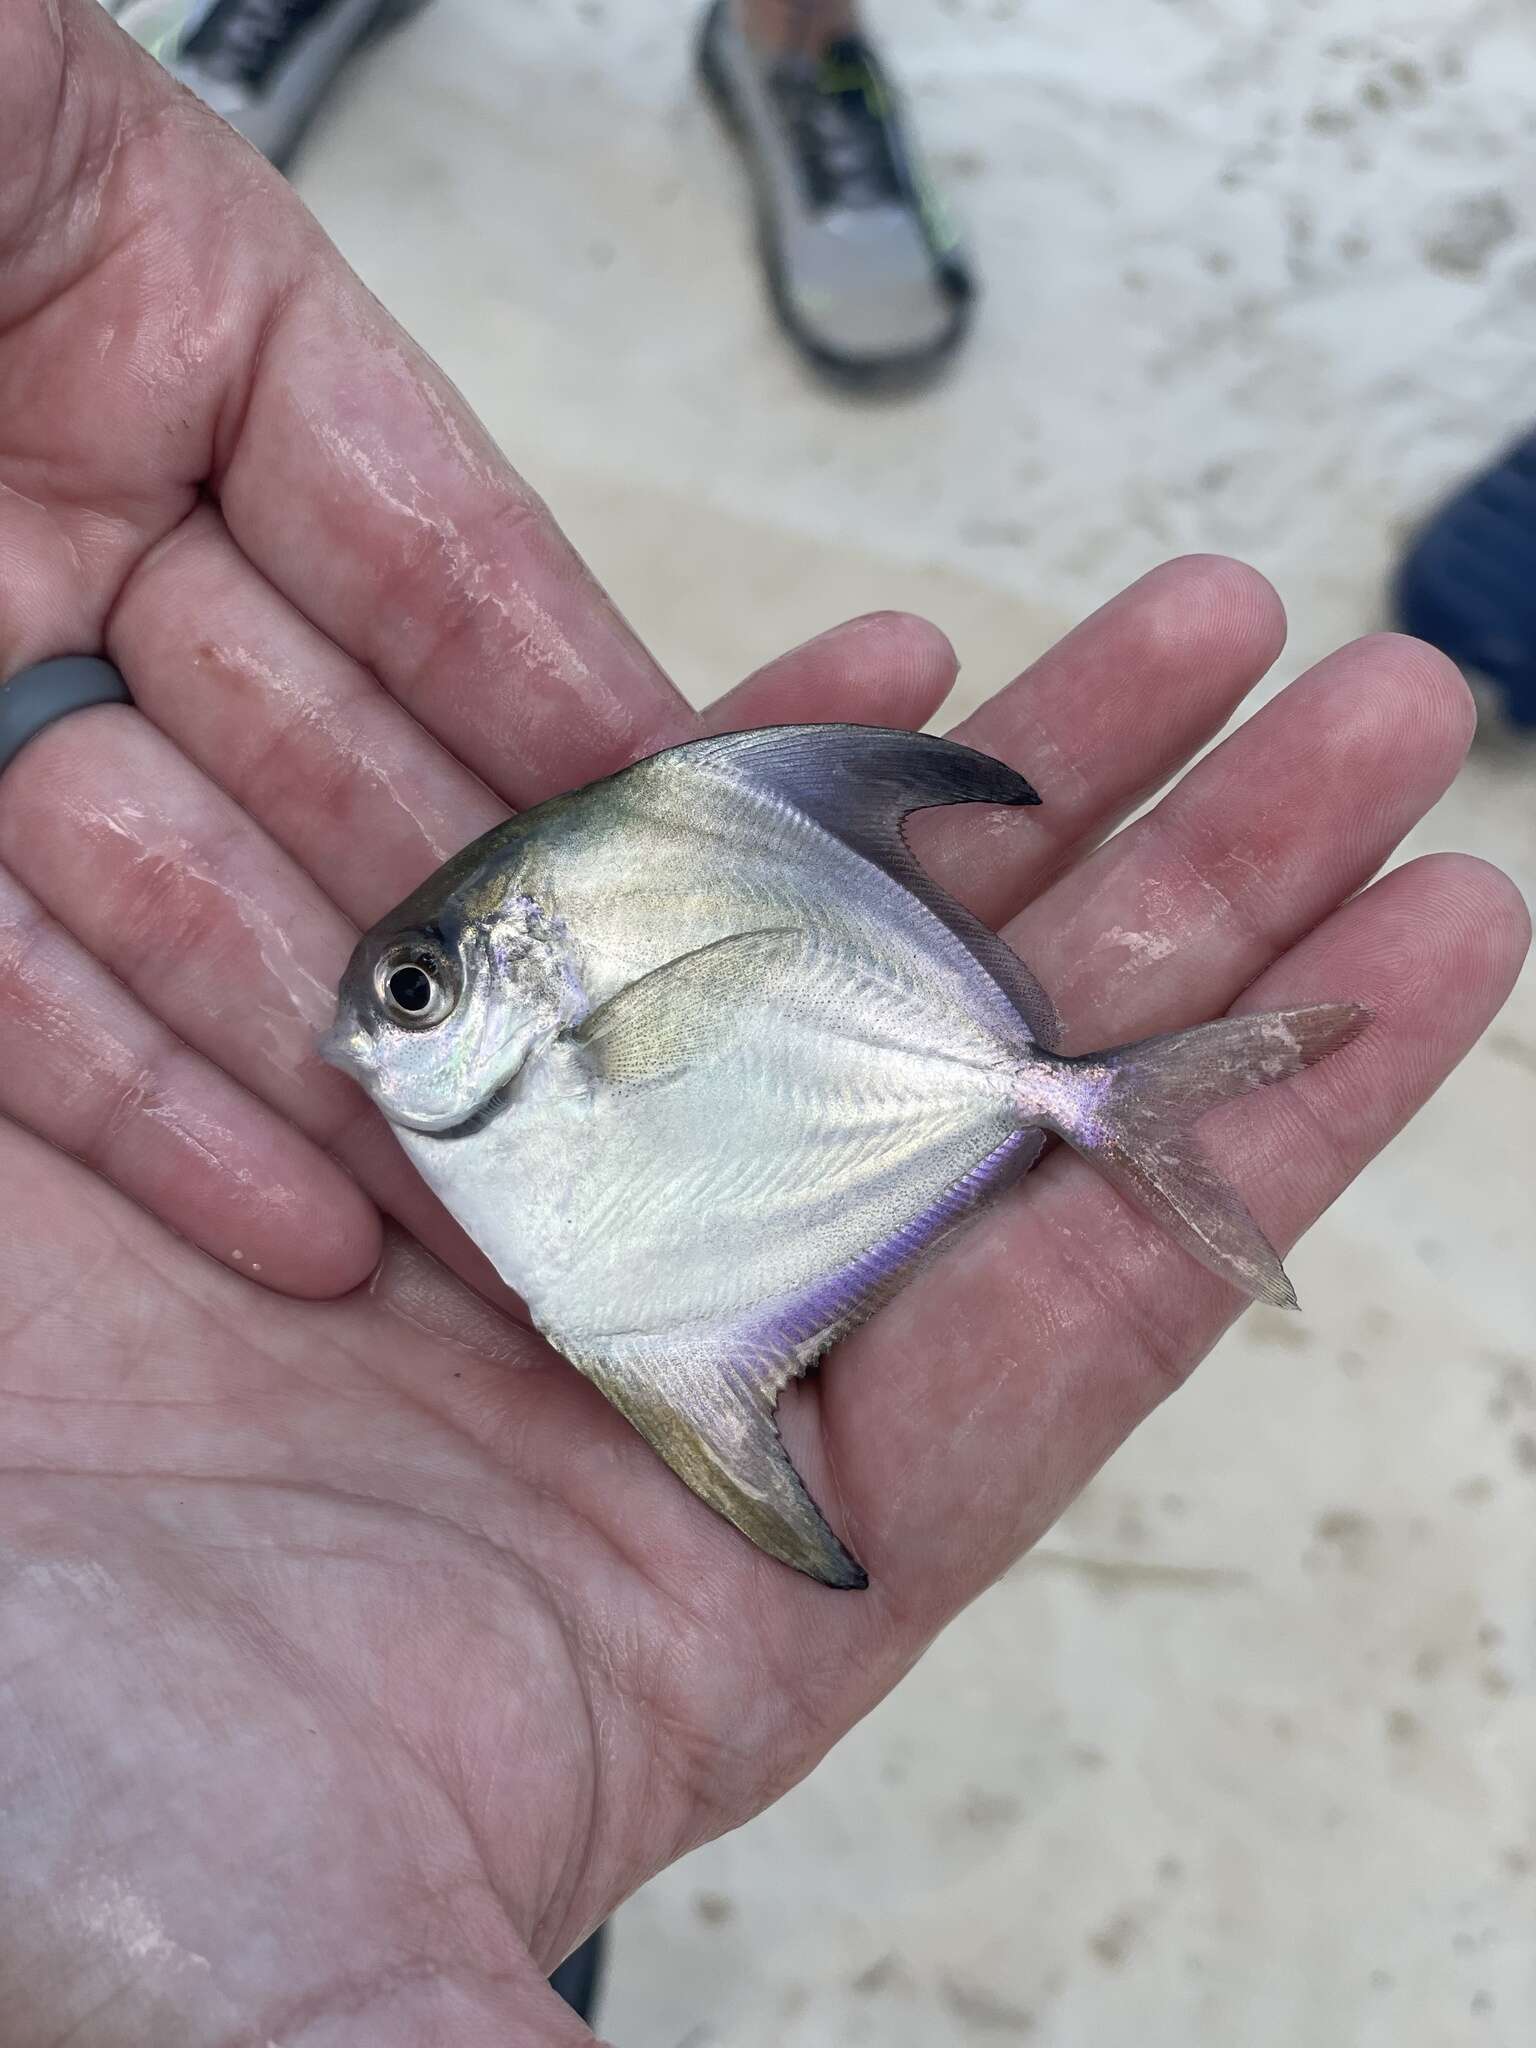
(415, 987)
(410, 988)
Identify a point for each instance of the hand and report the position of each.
(358, 1659)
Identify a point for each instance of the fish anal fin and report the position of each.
(713, 1423)
(709, 1409)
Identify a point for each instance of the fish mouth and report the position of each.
(351, 1051)
(347, 1048)
(477, 1119)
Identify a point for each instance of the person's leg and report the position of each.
(863, 271)
(1468, 582)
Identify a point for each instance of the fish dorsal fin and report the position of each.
(859, 782)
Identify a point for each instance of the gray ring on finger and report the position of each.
(50, 690)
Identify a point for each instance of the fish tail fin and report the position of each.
(1131, 1111)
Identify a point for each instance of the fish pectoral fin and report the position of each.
(654, 1027)
(714, 1425)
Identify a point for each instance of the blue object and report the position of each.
(50, 690)
(580, 1976)
(1468, 583)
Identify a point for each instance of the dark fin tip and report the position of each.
(844, 1575)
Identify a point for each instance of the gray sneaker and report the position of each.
(865, 273)
(265, 65)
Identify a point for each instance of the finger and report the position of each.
(171, 887)
(84, 1066)
(888, 668)
(291, 727)
(1261, 839)
(364, 488)
(240, 353)
(70, 522)
(1208, 889)
(340, 775)
(1002, 1440)
(1103, 719)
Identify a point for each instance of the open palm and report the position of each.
(357, 1658)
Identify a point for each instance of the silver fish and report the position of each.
(705, 1063)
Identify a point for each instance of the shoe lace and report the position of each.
(240, 39)
(836, 116)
